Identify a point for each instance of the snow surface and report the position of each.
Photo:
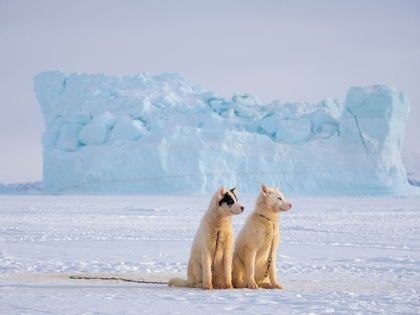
(160, 134)
(337, 255)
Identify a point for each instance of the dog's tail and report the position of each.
(179, 283)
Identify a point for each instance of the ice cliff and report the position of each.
(160, 134)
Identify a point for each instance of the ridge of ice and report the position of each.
(160, 134)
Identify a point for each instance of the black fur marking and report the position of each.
(227, 199)
(236, 198)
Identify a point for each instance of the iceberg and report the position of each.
(150, 134)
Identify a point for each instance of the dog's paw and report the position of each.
(240, 285)
(266, 286)
(277, 286)
(252, 286)
(207, 287)
(227, 286)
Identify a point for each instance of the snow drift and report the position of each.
(160, 134)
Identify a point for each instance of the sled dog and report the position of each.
(254, 258)
(210, 264)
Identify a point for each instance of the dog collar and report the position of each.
(261, 215)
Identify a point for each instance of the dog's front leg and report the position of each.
(207, 276)
(272, 273)
(227, 269)
(249, 261)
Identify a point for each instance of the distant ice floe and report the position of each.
(160, 134)
(34, 188)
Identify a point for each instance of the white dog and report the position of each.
(254, 259)
(210, 264)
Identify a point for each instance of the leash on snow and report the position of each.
(143, 281)
(117, 279)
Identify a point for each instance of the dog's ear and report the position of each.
(233, 190)
(264, 189)
(222, 192)
(277, 188)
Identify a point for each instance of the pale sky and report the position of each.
(286, 50)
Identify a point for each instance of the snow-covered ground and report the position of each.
(337, 255)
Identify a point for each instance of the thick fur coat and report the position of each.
(252, 248)
(218, 217)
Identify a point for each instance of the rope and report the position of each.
(143, 281)
(117, 279)
(215, 251)
(270, 256)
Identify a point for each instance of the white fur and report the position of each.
(217, 219)
(252, 247)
